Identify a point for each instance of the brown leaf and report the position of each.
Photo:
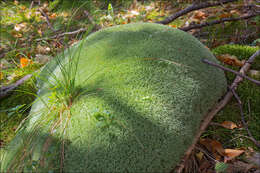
(199, 15)
(53, 16)
(217, 146)
(199, 155)
(230, 60)
(225, 15)
(1, 75)
(206, 142)
(16, 34)
(232, 153)
(228, 125)
(173, 26)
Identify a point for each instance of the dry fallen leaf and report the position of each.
(20, 26)
(217, 146)
(53, 16)
(16, 35)
(22, 7)
(199, 15)
(225, 15)
(199, 155)
(206, 142)
(173, 26)
(232, 153)
(25, 62)
(228, 125)
(1, 75)
(230, 60)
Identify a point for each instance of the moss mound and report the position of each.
(145, 95)
(240, 51)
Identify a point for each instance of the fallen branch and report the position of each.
(47, 19)
(210, 115)
(193, 8)
(5, 90)
(230, 70)
(63, 34)
(70, 33)
(243, 118)
(217, 22)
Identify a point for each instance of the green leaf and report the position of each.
(221, 167)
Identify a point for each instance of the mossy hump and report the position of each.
(141, 107)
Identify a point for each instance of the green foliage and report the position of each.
(13, 110)
(240, 51)
(221, 167)
(250, 97)
(142, 95)
(54, 4)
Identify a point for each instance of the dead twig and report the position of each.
(5, 90)
(63, 34)
(95, 28)
(32, 3)
(70, 33)
(230, 70)
(243, 117)
(220, 105)
(193, 8)
(217, 22)
(47, 19)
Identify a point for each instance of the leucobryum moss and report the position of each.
(140, 93)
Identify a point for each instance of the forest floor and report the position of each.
(32, 34)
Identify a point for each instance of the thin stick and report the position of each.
(217, 22)
(210, 115)
(193, 8)
(243, 117)
(31, 5)
(5, 90)
(70, 33)
(47, 19)
(230, 70)
(63, 34)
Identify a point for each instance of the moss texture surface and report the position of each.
(140, 109)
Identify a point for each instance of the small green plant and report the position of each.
(110, 10)
(221, 167)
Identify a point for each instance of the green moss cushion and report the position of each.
(142, 104)
(240, 51)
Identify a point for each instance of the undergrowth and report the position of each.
(250, 97)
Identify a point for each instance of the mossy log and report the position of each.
(144, 92)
